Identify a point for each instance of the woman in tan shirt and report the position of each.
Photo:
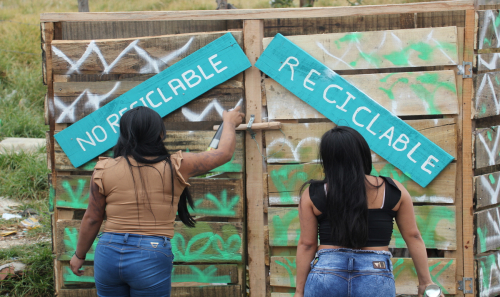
(141, 190)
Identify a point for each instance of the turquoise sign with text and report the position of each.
(342, 103)
(165, 92)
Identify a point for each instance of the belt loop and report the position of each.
(351, 264)
(139, 241)
(125, 238)
(165, 239)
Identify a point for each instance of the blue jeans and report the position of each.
(133, 265)
(350, 273)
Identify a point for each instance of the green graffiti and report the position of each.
(289, 266)
(70, 241)
(285, 180)
(52, 195)
(497, 80)
(77, 199)
(223, 208)
(390, 170)
(231, 166)
(69, 277)
(206, 275)
(492, 179)
(207, 245)
(350, 37)
(279, 232)
(481, 237)
(483, 109)
(388, 91)
(401, 58)
(402, 265)
(488, 133)
(487, 41)
(489, 265)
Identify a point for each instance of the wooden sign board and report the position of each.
(165, 92)
(341, 102)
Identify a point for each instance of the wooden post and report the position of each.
(467, 169)
(83, 6)
(253, 33)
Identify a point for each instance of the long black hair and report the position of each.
(142, 133)
(346, 160)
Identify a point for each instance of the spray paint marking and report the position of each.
(489, 275)
(302, 147)
(221, 208)
(291, 269)
(285, 179)
(70, 241)
(75, 199)
(486, 94)
(491, 21)
(285, 230)
(489, 241)
(402, 266)
(492, 154)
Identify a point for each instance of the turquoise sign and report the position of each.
(342, 103)
(165, 92)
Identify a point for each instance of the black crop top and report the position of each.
(380, 221)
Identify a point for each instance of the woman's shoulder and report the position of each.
(106, 162)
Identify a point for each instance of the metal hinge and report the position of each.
(462, 69)
(462, 284)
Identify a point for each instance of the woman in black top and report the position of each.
(353, 214)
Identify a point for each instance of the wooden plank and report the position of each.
(257, 14)
(404, 94)
(213, 197)
(209, 291)
(181, 274)
(487, 189)
(75, 100)
(436, 224)
(487, 223)
(440, 19)
(486, 86)
(381, 49)
(301, 142)
(285, 182)
(488, 30)
(488, 269)
(253, 32)
(208, 242)
(442, 270)
(486, 149)
(192, 141)
(487, 62)
(129, 55)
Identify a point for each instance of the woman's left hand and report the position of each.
(75, 265)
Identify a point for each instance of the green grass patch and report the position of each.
(38, 278)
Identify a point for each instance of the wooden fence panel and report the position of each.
(488, 274)
(486, 86)
(486, 149)
(487, 224)
(488, 30)
(487, 189)
(487, 62)
(205, 291)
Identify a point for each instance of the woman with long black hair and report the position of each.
(353, 212)
(141, 190)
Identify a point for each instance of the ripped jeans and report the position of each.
(133, 265)
(350, 273)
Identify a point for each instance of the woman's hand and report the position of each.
(421, 289)
(75, 265)
(234, 116)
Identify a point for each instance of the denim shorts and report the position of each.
(133, 265)
(350, 273)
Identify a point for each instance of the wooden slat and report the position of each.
(215, 197)
(143, 55)
(381, 49)
(436, 224)
(487, 189)
(440, 19)
(208, 242)
(192, 141)
(248, 14)
(208, 291)
(486, 148)
(404, 94)
(487, 224)
(301, 142)
(487, 62)
(285, 182)
(442, 270)
(488, 29)
(488, 274)
(486, 87)
(181, 274)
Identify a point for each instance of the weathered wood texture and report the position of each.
(487, 189)
(283, 272)
(213, 197)
(486, 149)
(207, 243)
(486, 88)
(488, 29)
(487, 224)
(285, 182)
(176, 140)
(202, 291)
(488, 274)
(441, 19)
(404, 94)
(300, 143)
(381, 49)
(487, 62)
(144, 55)
(436, 224)
(193, 274)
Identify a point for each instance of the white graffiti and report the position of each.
(281, 142)
(153, 65)
(489, 19)
(493, 239)
(489, 274)
(492, 192)
(491, 65)
(491, 153)
(487, 87)
(432, 199)
(195, 117)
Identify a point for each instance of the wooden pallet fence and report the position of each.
(486, 148)
(487, 86)
(487, 230)
(487, 189)
(209, 291)
(488, 274)
(488, 30)
(283, 273)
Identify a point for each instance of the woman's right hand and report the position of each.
(234, 116)
(421, 289)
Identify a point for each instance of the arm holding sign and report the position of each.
(194, 164)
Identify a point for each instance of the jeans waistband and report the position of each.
(347, 250)
(130, 238)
